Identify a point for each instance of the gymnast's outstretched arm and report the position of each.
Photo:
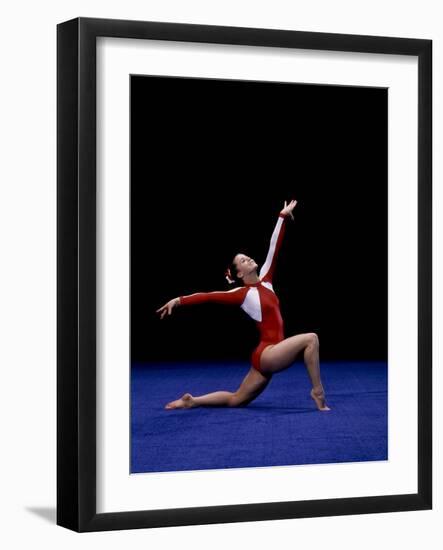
(268, 268)
(230, 297)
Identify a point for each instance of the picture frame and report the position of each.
(77, 283)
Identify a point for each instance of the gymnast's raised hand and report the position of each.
(288, 208)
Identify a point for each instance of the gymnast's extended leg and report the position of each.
(252, 386)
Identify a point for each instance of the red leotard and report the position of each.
(258, 300)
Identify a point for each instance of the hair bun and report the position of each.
(228, 277)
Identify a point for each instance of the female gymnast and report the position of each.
(274, 353)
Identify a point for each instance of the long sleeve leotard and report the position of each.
(258, 300)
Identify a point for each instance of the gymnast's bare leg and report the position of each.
(278, 357)
(252, 386)
(274, 359)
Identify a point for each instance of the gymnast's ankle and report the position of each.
(318, 391)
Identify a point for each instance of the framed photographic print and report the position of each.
(244, 274)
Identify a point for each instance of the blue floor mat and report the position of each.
(281, 427)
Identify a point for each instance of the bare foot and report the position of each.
(319, 397)
(185, 402)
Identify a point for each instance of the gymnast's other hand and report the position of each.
(168, 307)
(288, 208)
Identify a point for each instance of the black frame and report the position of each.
(76, 273)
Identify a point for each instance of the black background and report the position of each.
(212, 162)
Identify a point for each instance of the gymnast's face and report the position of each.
(245, 265)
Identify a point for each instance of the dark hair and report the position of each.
(231, 273)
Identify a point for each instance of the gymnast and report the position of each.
(257, 298)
